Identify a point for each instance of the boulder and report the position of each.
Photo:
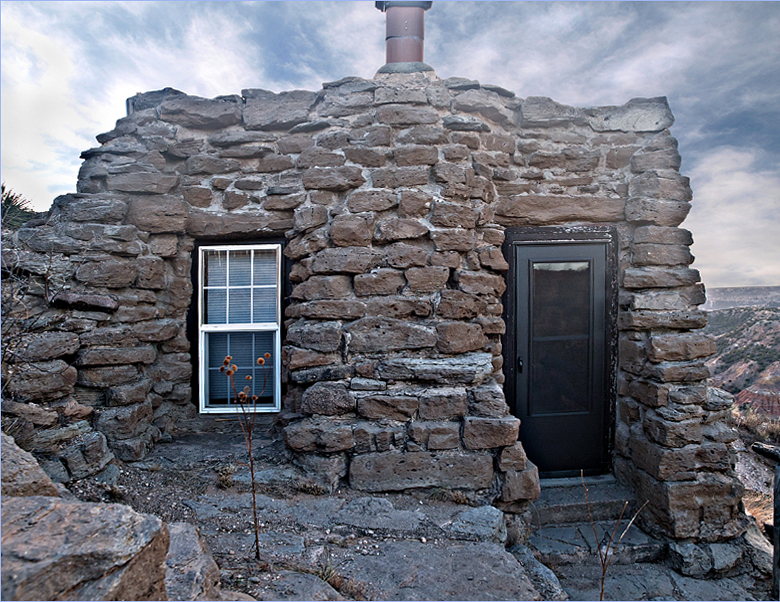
(85, 455)
(191, 573)
(55, 549)
(22, 476)
(485, 523)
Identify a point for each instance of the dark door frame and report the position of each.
(561, 235)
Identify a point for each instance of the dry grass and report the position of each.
(311, 488)
(760, 506)
(225, 476)
(764, 428)
(352, 589)
(450, 495)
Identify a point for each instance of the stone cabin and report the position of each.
(457, 287)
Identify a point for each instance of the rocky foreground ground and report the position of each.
(428, 546)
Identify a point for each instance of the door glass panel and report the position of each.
(559, 376)
(561, 298)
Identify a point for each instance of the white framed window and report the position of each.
(239, 314)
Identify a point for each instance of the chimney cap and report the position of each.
(383, 6)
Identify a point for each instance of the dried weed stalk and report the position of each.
(246, 419)
(607, 550)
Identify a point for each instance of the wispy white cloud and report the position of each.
(735, 217)
(39, 112)
(67, 68)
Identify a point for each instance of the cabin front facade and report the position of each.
(458, 288)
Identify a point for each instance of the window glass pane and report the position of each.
(241, 349)
(240, 306)
(214, 301)
(215, 268)
(240, 271)
(263, 376)
(265, 267)
(217, 345)
(217, 387)
(560, 376)
(561, 298)
(264, 301)
(217, 349)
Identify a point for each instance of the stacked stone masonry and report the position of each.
(393, 195)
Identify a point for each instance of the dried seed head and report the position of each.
(248, 377)
(267, 356)
(222, 368)
(246, 389)
(234, 367)
(255, 398)
(260, 361)
(229, 372)
(242, 396)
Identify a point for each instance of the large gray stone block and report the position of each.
(377, 335)
(42, 381)
(56, 549)
(637, 115)
(265, 110)
(467, 368)
(397, 471)
(200, 113)
(327, 399)
(191, 572)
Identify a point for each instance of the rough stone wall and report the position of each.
(394, 195)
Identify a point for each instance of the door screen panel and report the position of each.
(561, 298)
(560, 378)
(560, 324)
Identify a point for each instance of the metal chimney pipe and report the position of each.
(405, 30)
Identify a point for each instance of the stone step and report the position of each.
(563, 501)
(567, 544)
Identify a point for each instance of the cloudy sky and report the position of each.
(67, 68)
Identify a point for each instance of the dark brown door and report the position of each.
(558, 362)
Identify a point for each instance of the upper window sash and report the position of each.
(239, 289)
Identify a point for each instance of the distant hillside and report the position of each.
(742, 296)
(748, 360)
